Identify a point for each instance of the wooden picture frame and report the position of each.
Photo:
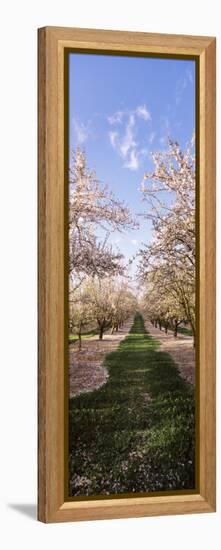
(52, 506)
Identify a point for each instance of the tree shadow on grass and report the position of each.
(121, 442)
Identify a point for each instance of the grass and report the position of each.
(85, 335)
(185, 331)
(136, 433)
(73, 337)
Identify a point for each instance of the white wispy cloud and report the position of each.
(133, 162)
(189, 76)
(165, 123)
(128, 142)
(182, 84)
(134, 241)
(113, 138)
(81, 132)
(124, 139)
(143, 112)
(151, 137)
(125, 144)
(165, 130)
(116, 118)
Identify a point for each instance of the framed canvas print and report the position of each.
(126, 274)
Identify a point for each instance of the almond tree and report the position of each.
(112, 302)
(172, 250)
(174, 174)
(80, 313)
(124, 303)
(101, 303)
(91, 207)
(162, 307)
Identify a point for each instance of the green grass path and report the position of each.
(136, 433)
(73, 337)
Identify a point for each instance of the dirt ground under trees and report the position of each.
(86, 372)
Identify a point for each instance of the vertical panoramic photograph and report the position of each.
(132, 391)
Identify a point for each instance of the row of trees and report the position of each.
(167, 263)
(101, 303)
(99, 290)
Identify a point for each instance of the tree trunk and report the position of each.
(101, 331)
(175, 329)
(194, 332)
(79, 337)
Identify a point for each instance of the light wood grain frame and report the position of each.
(51, 375)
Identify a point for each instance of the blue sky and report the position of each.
(121, 109)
